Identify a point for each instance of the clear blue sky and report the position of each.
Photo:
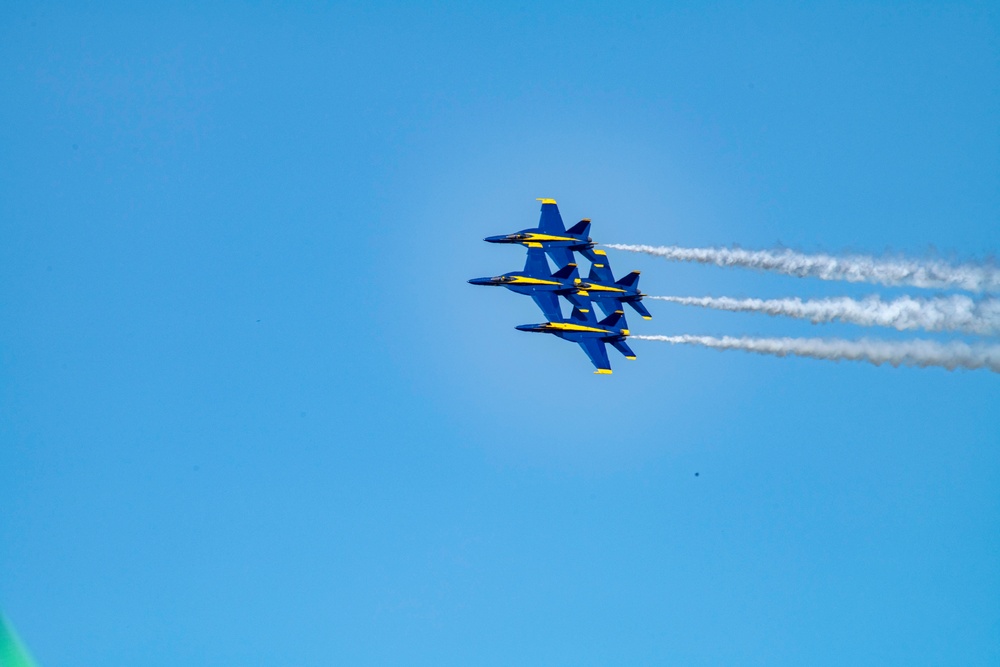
(251, 412)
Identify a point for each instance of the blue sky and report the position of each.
(252, 413)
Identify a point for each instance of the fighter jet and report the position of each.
(600, 285)
(584, 329)
(543, 286)
(552, 236)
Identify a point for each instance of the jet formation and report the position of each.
(545, 287)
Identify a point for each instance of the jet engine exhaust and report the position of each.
(933, 274)
(921, 353)
(950, 313)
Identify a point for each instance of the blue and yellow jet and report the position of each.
(601, 286)
(543, 286)
(552, 236)
(583, 328)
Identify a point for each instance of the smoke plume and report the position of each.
(921, 353)
(951, 313)
(933, 274)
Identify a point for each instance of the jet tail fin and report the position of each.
(550, 221)
(583, 315)
(568, 271)
(582, 302)
(600, 269)
(581, 228)
(631, 280)
(614, 319)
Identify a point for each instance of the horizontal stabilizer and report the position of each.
(641, 309)
(623, 347)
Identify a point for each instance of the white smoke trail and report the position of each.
(951, 313)
(921, 353)
(852, 268)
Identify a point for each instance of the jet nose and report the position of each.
(481, 281)
(495, 239)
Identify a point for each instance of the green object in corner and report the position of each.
(12, 651)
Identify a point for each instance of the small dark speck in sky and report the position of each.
(696, 474)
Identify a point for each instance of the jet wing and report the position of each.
(583, 303)
(609, 305)
(598, 354)
(584, 314)
(549, 303)
(536, 266)
(551, 222)
(561, 256)
(600, 270)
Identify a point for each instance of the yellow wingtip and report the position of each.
(630, 358)
(647, 317)
(600, 252)
(602, 371)
(546, 201)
